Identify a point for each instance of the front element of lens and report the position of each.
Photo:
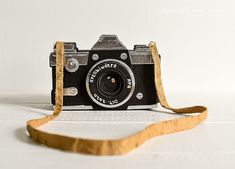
(110, 83)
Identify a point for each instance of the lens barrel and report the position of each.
(110, 83)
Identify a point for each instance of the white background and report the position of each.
(196, 41)
(195, 38)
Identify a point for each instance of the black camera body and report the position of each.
(106, 77)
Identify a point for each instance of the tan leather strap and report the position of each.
(116, 146)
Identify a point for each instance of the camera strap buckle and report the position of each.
(118, 146)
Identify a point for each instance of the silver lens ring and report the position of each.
(99, 101)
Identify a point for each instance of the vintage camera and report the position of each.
(106, 77)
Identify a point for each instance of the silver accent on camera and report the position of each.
(71, 65)
(95, 56)
(81, 57)
(140, 55)
(108, 42)
(85, 107)
(123, 56)
(120, 103)
(139, 96)
(70, 91)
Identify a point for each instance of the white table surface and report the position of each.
(209, 145)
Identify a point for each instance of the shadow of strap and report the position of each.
(115, 146)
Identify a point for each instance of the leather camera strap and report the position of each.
(115, 146)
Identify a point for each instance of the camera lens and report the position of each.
(110, 83)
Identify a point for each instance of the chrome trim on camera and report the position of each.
(132, 87)
(140, 57)
(108, 42)
(95, 57)
(141, 107)
(81, 57)
(84, 107)
(70, 91)
(139, 96)
(123, 56)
